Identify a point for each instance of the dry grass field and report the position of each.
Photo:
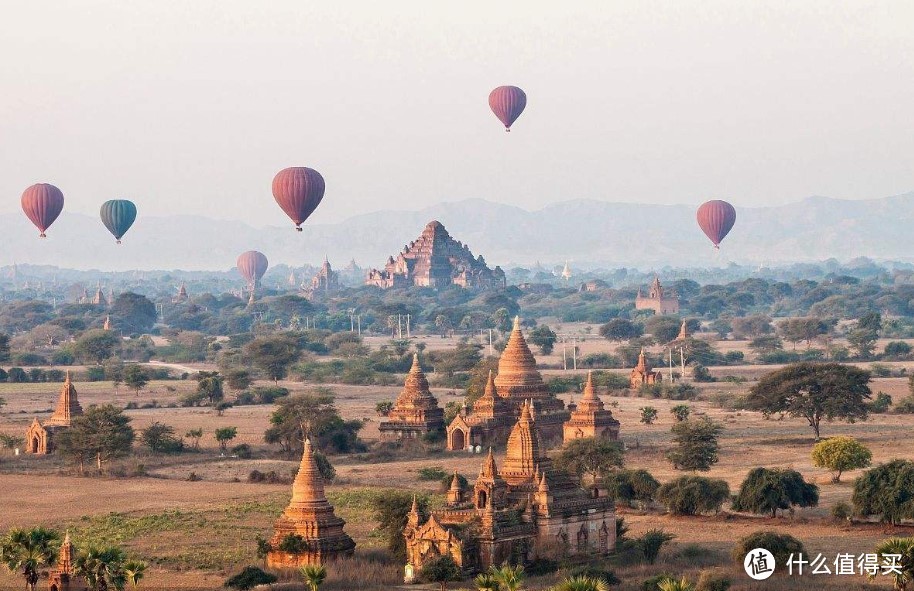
(194, 534)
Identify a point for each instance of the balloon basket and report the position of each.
(118, 241)
(42, 235)
(298, 229)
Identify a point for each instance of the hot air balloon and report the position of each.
(42, 203)
(252, 265)
(298, 191)
(716, 219)
(118, 215)
(507, 102)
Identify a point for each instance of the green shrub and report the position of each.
(432, 473)
(780, 545)
(653, 583)
(249, 578)
(243, 451)
(841, 511)
(693, 495)
(713, 580)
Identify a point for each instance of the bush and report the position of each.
(433, 473)
(700, 373)
(653, 583)
(765, 490)
(249, 578)
(880, 404)
(243, 451)
(693, 495)
(631, 486)
(589, 571)
(541, 567)
(713, 580)
(886, 491)
(780, 545)
(841, 511)
(270, 394)
(652, 542)
(17, 375)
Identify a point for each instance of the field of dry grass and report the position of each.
(196, 533)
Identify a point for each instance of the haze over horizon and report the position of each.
(191, 108)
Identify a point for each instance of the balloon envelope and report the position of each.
(507, 102)
(298, 191)
(252, 265)
(118, 215)
(716, 219)
(42, 203)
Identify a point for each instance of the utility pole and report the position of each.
(399, 327)
(359, 320)
(671, 365)
(564, 357)
(491, 352)
(574, 353)
(682, 361)
(408, 318)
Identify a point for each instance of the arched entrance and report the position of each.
(34, 444)
(458, 440)
(481, 499)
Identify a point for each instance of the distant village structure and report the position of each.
(523, 511)
(436, 260)
(589, 418)
(325, 281)
(40, 437)
(643, 374)
(656, 300)
(416, 412)
(309, 516)
(518, 381)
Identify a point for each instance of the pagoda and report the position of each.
(416, 412)
(61, 577)
(325, 281)
(308, 531)
(182, 294)
(643, 374)
(435, 260)
(518, 381)
(656, 300)
(590, 418)
(39, 437)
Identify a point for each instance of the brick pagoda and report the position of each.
(590, 418)
(416, 412)
(39, 437)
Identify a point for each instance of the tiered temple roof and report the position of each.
(643, 373)
(67, 405)
(416, 411)
(309, 516)
(590, 418)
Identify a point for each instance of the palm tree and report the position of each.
(651, 543)
(582, 584)
(486, 582)
(133, 572)
(510, 578)
(674, 585)
(903, 547)
(102, 568)
(26, 551)
(314, 575)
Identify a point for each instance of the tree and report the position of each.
(101, 567)
(664, 329)
(133, 314)
(486, 582)
(681, 412)
(840, 454)
(581, 584)
(901, 552)
(391, 510)
(224, 435)
(441, 570)
(209, 386)
(751, 326)
(595, 457)
(274, 354)
(765, 490)
(652, 542)
(95, 346)
(159, 437)
(696, 444)
(134, 572)
(886, 491)
(444, 325)
(897, 350)
(766, 344)
(620, 329)
(313, 575)
(4, 347)
(794, 330)
(313, 415)
(781, 546)
(814, 391)
(135, 378)
(669, 584)
(544, 338)
(26, 551)
(509, 577)
(11, 442)
(384, 407)
(195, 435)
(103, 432)
(693, 495)
(631, 486)
(865, 334)
(238, 379)
(648, 415)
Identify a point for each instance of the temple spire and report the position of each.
(589, 393)
(308, 487)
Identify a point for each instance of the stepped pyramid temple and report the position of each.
(644, 374)
(416, 412)
(436, 260)
(657, 300)
(308, 522)
(490, 420)
(39, 438)
(61, 577)
(589, 418)
(525, 510)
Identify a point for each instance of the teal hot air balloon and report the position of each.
(118, 215)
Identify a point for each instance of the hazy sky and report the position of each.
(192, 106)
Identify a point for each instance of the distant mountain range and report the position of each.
(588, 233)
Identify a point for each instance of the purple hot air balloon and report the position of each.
(716, 219)
(42, 203)
(507, 102)
(298, 191)
(252, 265)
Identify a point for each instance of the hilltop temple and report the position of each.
(524, 511)
(308, 524)
(61, 577)
(589, 418)
(39, 437)
(436, 260)
(643, 374)
(656, 300)
(416, 412)
(490, 420)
